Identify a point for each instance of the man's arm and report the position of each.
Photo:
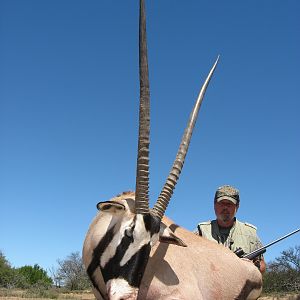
(260, 263)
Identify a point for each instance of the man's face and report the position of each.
(225, 211)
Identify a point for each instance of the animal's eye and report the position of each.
(129, 232)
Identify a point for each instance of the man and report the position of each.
(227, 230)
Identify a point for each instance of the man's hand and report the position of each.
(256, 262)
(259, 262)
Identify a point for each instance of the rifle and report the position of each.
(252, 255)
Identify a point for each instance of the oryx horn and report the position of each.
(167, 191)
(142, 171)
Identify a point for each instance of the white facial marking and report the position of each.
(120, 289)
(141, 237)
(110, 251)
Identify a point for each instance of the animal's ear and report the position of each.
(167, 236)
(110, 206)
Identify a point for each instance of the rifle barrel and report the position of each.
(282, 238)
(259, 250)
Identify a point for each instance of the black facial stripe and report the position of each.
(132, 271)
(148, 222)
(138, 265)
(152, 223)
(112, 267)
(98, 251)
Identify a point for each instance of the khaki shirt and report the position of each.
(241, 235)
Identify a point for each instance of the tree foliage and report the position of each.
(283, 274)
(35, 275)
(23, 277)
(6, 272)
(69, 274)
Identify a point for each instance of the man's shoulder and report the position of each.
(207, 223)
(248, 226)
(205, 229)
(204, 223)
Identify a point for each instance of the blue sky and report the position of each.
(69, 94)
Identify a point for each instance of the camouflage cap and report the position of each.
(227, 192)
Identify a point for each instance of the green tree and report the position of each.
(35, 275)
(6, 272)
(283, 274)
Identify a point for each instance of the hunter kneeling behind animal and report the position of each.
(227, 230)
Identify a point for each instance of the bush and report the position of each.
(23, 277)
(34, 276)
(283, 274)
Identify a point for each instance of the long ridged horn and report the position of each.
(167, 191)
(142, 171)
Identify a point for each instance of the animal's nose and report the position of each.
(119, 295)
(119, 289)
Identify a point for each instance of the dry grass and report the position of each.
(17, 294)
(281, 297)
